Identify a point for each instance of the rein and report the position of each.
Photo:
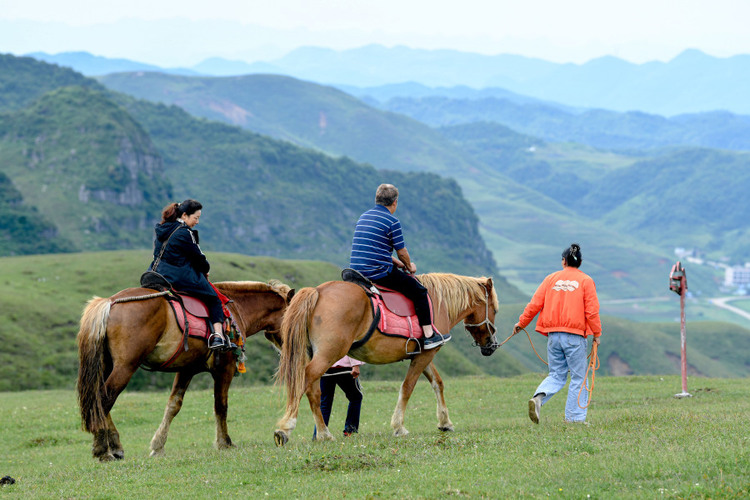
(530, 342)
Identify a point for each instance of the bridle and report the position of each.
(490, 326)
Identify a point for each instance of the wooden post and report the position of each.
(678, 284)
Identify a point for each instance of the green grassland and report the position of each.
(642, 443)
(43, 296)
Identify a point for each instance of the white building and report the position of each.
(737, 276)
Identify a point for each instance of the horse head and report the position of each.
(480, 322)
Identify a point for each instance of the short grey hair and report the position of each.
(386, 195)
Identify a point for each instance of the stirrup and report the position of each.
(213, 344)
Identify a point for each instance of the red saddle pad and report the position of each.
(397, 314)
(197, 316)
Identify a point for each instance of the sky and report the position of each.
(175, 33)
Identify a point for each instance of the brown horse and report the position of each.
(321, 325)
(117, 337)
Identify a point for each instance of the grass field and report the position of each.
(642, 443)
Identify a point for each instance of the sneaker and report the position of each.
(535, 405)
(436, 340)
(216, 342)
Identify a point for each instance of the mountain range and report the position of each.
(691, 82)
(524, 189)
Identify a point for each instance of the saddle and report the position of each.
(394, 313)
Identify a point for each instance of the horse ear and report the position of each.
(290, 295)
(490, 286)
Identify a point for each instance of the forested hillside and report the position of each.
(23, 229)
(100, 173)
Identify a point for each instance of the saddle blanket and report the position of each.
(197, 316)
(397, 314)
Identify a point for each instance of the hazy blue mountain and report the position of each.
(691, 82)
(218, 66)
(385, 93)
(92, 65)
(595, 127)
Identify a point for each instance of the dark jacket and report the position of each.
(183, 263)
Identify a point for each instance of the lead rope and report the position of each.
(530, 342)
(593, 366)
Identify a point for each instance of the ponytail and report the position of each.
(170, 213)
(572, 255)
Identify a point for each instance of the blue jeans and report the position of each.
(566, 351)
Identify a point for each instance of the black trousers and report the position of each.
(213, 304)
(353, 391)
(412, 289)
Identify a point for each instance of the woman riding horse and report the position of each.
(137, 327)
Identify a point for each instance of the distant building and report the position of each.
(737, 276)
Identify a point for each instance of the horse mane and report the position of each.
(244, 286)
(456, 292)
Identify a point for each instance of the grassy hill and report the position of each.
(685, 197)
(304, 113)
(43, 296)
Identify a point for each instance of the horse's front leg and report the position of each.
(417, 366)
(174, 404)
(223, 373)
(444, 421)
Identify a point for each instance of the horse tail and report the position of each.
(91, 338)
(295, 348)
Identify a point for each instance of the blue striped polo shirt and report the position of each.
(377, 235)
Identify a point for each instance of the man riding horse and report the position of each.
(377, 234)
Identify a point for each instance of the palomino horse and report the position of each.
(322, 324)
(117, 337)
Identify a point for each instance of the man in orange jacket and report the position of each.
(569, 313)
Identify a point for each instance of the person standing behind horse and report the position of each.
(183, 263)
(377, 234)
(569, 311)
(345, 374)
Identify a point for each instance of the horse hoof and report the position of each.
(400, 432)
(225, 446)
(106, 458)
(280, 438)
(157, 453)
(446, 428)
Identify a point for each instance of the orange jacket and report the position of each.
(568, 303)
